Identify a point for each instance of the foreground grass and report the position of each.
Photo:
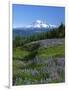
(19, 53)
(28, 72)
(56, 51)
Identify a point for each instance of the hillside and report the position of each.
(39, 62)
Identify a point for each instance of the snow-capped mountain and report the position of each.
(40, 24)
(36, 27)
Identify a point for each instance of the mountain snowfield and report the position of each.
(40, 24)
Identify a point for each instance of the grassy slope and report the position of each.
(52, 51)
(18, 53)
(56, 51)
(44, 52)
(18, 66)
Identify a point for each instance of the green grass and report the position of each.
(19, 53)
(22, 77)
(56, 51)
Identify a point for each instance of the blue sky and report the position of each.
(23, 15)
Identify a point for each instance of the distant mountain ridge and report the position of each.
(27, 31)
(36, 27)
(40, 24)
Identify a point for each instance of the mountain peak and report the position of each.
(40, 24)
